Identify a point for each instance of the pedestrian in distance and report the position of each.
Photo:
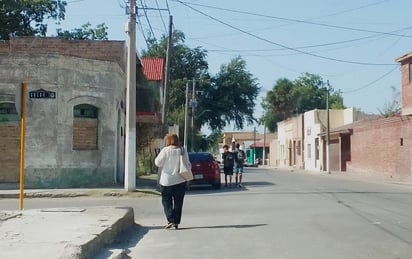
(228, 164)
(239, 164)
(172, 185)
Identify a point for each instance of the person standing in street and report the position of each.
(228, 163)
(172, 185)
(239, 163)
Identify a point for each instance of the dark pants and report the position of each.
(172, 200)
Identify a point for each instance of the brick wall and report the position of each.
(114, 51)
(10, 152)
(84, 134)
(382, 147)
(406, 88)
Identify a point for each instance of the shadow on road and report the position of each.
(225, 226)
(194, 190)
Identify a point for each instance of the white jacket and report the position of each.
(168, 161)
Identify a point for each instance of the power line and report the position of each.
(309, 46)
(290, 19)
(161, 17)
(143, 32)
(281, 45)
(371, 83)
(167, 6)
(144, 7)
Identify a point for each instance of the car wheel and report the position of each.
(216, 186)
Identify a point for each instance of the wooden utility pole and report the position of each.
(130, 153)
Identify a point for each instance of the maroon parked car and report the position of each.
(205, 169)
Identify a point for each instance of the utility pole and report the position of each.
(130, 152)
(264, 145)
(167, 79)
(328, 131)
(186, 107)
(254, 145)
(193, 104)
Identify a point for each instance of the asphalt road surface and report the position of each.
(277, 214)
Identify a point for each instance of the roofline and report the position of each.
(404, 57)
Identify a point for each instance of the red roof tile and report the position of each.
(153, 68)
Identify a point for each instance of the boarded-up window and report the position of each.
(85, 127)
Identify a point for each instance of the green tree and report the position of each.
(85, 33)
(185, 64)
(28, 17)
(227, 97)
(306, 93)
(231, 96)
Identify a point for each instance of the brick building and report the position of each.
(383, 146)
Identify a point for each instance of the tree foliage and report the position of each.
(393, 107)
(231, 96)
(85, 33)
(185, 64)
(306, 93)
(225, 98)
(28, 17)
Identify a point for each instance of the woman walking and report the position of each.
(172, 185)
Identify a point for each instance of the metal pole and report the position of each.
(193, 114)
(254, 145)
(264, 145)
(167, 79)
(22, 141)
(186, 104)
(130, 149)
(328, 131)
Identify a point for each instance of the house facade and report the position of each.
(290, 143)
(75, 111)
(302, 140)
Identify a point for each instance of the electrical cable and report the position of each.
(161, 16)
(371, 83)
(281, 45)
(144, 7)
(142, 31)
(288, 19)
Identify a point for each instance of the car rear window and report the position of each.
(200, 157)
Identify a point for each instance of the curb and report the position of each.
(57, 194)
(92, 247)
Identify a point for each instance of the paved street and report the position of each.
(276, 215)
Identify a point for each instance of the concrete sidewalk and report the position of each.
(61, 233)
(65, 232)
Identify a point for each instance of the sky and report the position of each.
(352, 44)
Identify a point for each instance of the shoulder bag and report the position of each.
(184, 171)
